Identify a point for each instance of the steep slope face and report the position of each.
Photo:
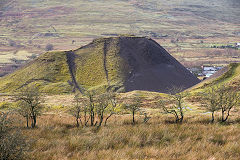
(120, 64)
(152, 68)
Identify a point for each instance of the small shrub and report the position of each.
(12, 43)
(49, 47)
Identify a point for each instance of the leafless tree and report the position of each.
(30, 104)
(113, 106)
(102, 105)
(24, 111)
(210, 101)
(133, 106)
(106, 106)
(77, 109)
(227, 99)
(176, 100)
(221, 98)
(94, 108)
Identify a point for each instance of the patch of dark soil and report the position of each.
(105, 59)
(72, 69)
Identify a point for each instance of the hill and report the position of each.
(123, 63)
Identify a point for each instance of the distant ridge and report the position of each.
(121, 64)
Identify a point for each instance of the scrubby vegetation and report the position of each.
(13, 145)
(76, 132)
(57, 138)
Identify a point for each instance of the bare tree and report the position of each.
(221, 98)
(77, 109)
(227, 99)
(133, 106)
(30, 104)
(23, 111)
(85, 111)
(210, 101)
(91, 107)
(106, 106)
(176, 100)
(112, 107)
(102, 105)
(95, 108)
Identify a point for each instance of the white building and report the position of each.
(210, 70)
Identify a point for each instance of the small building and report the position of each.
(210, 70)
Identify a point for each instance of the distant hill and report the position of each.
(194, 32)
(123, 63)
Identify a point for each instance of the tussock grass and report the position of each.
(57, 138)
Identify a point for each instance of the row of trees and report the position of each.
(98, 109)
(95, 110)
(88, 110)
(216, 98)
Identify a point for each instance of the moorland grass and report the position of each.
(56, 137)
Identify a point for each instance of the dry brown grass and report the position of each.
(56, 137)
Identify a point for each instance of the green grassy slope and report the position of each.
(93, 67)
(94, 70)
(49, 71)
(230, 78)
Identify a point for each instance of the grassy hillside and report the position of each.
(50, 71)
(99, 64)
(230, 77)
(91, 67)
